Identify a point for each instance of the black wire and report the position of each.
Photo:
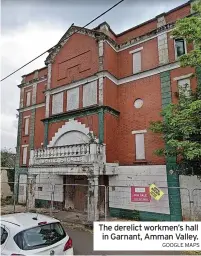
(66, 38)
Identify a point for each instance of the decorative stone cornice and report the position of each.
(100, 36)
(33, 81)
(80, 112)
(146, 36)
(72, 30)
(40, 105)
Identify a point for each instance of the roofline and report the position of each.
(11, 223)
(148, 21)
(103, 23)
(34, 71)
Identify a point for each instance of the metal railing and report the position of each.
(76, 198)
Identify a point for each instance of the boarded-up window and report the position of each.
(90, 94)
(184, 86)
(140, 146)
(26, 126)
(57, 103)
(28, 99)
(73, 99)
(137, 62)
(24, 155)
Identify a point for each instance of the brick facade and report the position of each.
(104, 60)
(74, 62)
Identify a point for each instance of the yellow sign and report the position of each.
(155, 192)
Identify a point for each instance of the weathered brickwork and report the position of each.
(69, 65)
(95, 83)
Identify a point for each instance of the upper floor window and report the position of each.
(57, 103)
(139, 144)
(28, 98)
(90, 94)
(73, 99)
(137, 60)
(137, 65)
(26, 125)
(180, 47)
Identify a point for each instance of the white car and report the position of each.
(33, 234)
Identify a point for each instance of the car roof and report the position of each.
(23, 221)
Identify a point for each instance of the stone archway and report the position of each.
(71, 133)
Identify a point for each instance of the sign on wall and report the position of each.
(155, 192)
(140, 194)
(60, 160)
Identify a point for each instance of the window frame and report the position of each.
(23, 148)
(86, 89)
(175, 48)
(28, 92)
(134, 52)
(186, 93)
(26, 119)
(61, 110)
(70, 91)
(137, 147)
(140, 132)
(134, 70)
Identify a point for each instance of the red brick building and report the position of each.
(106, 87)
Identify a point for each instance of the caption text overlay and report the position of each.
(147, 236)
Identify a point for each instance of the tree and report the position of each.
(7, 158)
(181, 124)
(8, 162)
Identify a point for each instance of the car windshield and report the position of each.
(40, 236)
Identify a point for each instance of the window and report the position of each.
(24, 155)
(4, 235)
(90, 94)
(180, 47)
(139, 146)
(57, 103)
(184, 86)
(39, 237)
(73, 99)
(26, 126)
(138, 103)
(28, 99)
(137, 62)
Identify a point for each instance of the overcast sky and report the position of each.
(28, 28)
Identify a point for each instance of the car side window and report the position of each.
(4, 235)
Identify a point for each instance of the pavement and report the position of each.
(83, 243)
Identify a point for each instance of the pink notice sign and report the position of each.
(140, 194)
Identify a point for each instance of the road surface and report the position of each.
(83, 245)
